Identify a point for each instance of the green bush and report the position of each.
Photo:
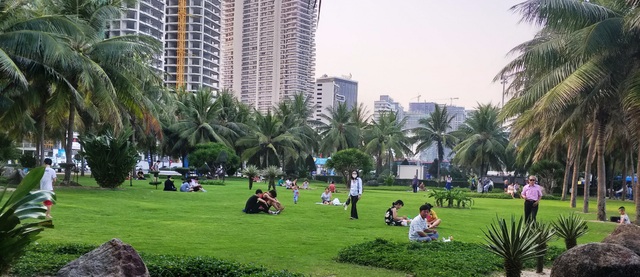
(428, 259)
(208, 154)
(47, 259)
(28, 160)
(110, 157)
(212, 183)
(450, 197)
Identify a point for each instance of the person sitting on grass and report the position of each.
(332, 187)
(432, 217)
(140, 175)
(326, 196)
(421, 187)
(255, 204)
(168, 184)
(391, 216)
(624, 217)
(509, 189)
(272, 201)
(186, 186)
(195, 185)
(418, 230)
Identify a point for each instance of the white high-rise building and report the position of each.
(387, 104)
(332, 91)
(159, 19)
(202, 44)
(146, 17)
(268, 49)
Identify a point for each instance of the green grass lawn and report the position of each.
(304, 238)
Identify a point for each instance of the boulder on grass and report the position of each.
(597, 259)
(627, 235)
(113, 258)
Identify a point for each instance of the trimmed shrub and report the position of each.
(47, 259)
(429, 259)
(110, 157)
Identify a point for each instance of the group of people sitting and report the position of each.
(189, 185)
(289, 184)
(512, 189)
(262, 202)
(422, 227)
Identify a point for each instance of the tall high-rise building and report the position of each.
(146, 17)
(268, 49)
(159, 19)
(202, 44)
(331, 91)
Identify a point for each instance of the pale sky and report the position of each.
(434, 48)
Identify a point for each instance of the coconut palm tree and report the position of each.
(386, 137)
(339, 132)
(483, 141)
(435, 129)
(268, 139)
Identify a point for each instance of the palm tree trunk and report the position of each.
(587, 170)
(41, 139)
(636, 191)
(625, 168)
(601, 168)
(567, 169)
(69, 148)
(610, 173)
(576, 165)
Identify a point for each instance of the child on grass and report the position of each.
(624, 217)
(296, 193)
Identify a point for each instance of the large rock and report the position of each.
(113, 258)
(627, 235)
(597, 259)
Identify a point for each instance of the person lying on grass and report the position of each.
(418, 230)
(432, 217)
(391, 216)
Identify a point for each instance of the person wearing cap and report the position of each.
(418, 230)
(532, 194)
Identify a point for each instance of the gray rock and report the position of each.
(627, 235)
(597, 259)
(113, 258)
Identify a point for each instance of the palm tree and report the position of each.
(584, 56)
(387, 136)
(483, 141)
(340, 132)
(268, 139)
(435, 128)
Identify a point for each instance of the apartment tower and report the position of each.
(201, 47)
(268, 49)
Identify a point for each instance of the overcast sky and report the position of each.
(437, 49)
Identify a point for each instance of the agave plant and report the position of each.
(23, 204)
(110, 157)
(271, 172)
(544, 234)
(251, 171)
(514, 242)
(570, 228)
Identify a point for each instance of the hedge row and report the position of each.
(48, 259)
(431, 259)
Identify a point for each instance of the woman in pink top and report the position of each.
(532, 193)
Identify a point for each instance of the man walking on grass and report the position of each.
(532, 194)
(46, 183)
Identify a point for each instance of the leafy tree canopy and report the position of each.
(210, 153)
(348, 160)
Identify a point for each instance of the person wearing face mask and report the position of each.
(355, 193)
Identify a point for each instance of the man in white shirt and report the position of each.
(46, 183)
(418, 230)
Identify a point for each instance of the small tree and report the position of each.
(348, 160)
(548, 172)
(513, 242)
(27, 160)
(544, 233)
(570, 228)
(110, 157)
(251, 172)
(209, 153)
(271, 172)
(8, 150)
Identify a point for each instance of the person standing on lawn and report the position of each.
(414, 183)
(355, 193)
(46, 183)
(532, 194)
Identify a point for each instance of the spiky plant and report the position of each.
(23, 204)
(514, 242)
(544, 234)
(110, 157)
(271, 172)
(251, 171)
(570, 228)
